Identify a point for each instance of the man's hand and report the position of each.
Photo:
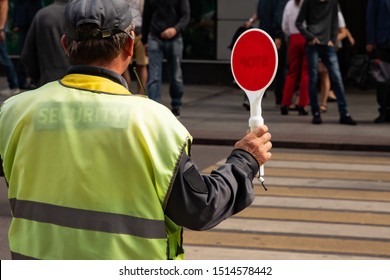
(370, 48)
(315, 41)
(278, 43)
(2, 35)
(248, 24)
(257, 143)
(169, 33)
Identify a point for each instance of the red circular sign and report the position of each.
(254, 60)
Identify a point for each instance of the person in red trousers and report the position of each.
(297, 61)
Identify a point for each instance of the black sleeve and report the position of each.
(29, 55)
(277, 23)
(334, 25)
(146, 19)
(299, 23)
(1, 169)
(200, 202)
(184, 15)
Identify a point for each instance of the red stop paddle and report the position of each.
(254, 62)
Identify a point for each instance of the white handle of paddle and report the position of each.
(254, 122)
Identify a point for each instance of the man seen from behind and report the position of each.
(95, 172)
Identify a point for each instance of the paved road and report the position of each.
(319, 205)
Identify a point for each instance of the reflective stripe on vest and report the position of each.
(88, 220)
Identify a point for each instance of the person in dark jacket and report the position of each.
(270, 14)
(24, 12)
(42, 53)
(318, 22)
(378, 44)
(162, 25)
(12, 78)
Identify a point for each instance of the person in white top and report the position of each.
(343, 32)
(297, 61)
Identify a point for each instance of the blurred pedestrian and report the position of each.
(139, 56)
(96, 173)
(12, 78)
(269, 14)
(378, 45)
(327, 93)
(42, 54)
(297, 61)
(162, 25)
(24, 12)
(318, 22)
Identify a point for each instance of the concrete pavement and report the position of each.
(215, 115)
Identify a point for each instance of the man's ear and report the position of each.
(130, 44)
(64, 43)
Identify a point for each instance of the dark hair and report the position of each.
(88, 51)
(297, 2)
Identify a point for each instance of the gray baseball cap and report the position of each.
(111, 17)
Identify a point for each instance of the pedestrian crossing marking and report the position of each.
(341, 157)
(290, 243)
(321, 174)
(315, 215)
(323, 193)
(328, 174)
(318, 206)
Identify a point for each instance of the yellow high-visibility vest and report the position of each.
(89, 167)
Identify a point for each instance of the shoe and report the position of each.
(323, 109)
(293, 107)
(10, 92)
(332, 97)
(347, 120)
(176, 112)
(284, 110)
(301, 111)
(316, 119)
(380, 119)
